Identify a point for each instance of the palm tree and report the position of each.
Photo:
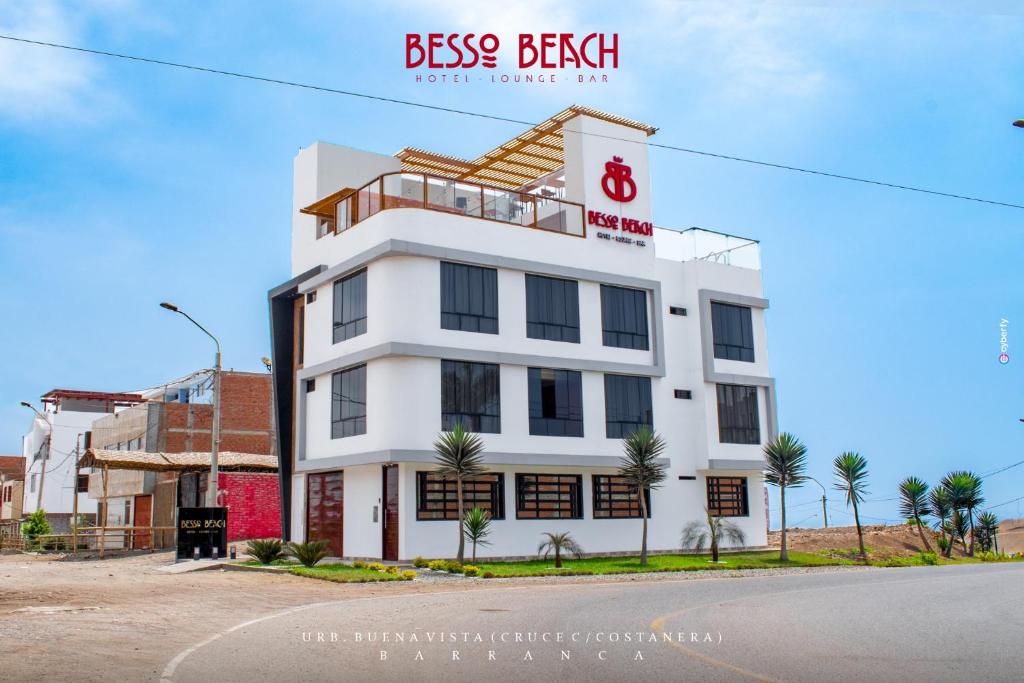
(965, 494)
(988, 528)
(558, 543)
(914, 504)
(958, 527)
(641, 470)
(712, 530)
(478, 527)
(851, 471)
(941, 506)
(459, 455)
(785, 463)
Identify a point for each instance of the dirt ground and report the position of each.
(898, 540)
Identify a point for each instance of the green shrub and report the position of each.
(419, 562)
(391, 569)
(265, 550)
(488, 575)
(991, 556)
(438, 565)
(470, 570)
(943, 544)
(408, 575)
(359, 564)
(376, 566)
(308, 553)
(36, 525)
(929, 558)
(453, 566)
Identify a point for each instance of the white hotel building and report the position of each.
(498, 292)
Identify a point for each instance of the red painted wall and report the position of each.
(254, 505)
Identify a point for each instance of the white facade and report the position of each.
(404, 345)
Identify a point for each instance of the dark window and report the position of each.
(549, 496)
(350, 306)
(733, 332)
(682, 393)
(624, 317)
(311, 384)
(614, 497)
(727, 496)
(552, 309)
(627, 404)
(310, 297)
(556, 402)
(469, 298)
(348, 402)
(737, 414)
(676, 310)
(470, 394)
(437, 498)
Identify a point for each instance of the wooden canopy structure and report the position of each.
(100, 458)
(518, 162)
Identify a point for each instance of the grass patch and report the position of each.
(344, 573)
(656, 563)
(275, 563)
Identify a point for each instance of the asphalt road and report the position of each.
(921, 624)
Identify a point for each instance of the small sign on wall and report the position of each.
(203, 528)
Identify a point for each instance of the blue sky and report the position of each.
(122, 185)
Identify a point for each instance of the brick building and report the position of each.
(12, 487)
(178, 418)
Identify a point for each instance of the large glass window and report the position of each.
(350, 306)
(437, 497)
(615, 497)
(556, 402)
(348, 402)
(469, 298)
(733, 332)
(727, 496)
(470, 394)
(552, 309)
(549, 496)
(737, 414)
(624, 317)
(627, 404)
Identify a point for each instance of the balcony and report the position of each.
(348, 208)
(697, 244)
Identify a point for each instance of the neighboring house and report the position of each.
(55, 439)
(12, 485)
(178, 418)
(527, 295)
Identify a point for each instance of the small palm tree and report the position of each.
(914, 505)
(711, 531)
(851, 471)
(459, 455)
(965, 493)
(308, 553)
(941, 507)
(642, 471)
(477, 524)
(958, 528)
(988, 528)
(558, 543)
(785, 462)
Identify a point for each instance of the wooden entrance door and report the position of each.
(143, 518)
(325, 513)
(389, 519)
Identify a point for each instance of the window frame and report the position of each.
(727, 319)
(621, 425)
(468, 321)
(605, 511)
(337, 405)
(574, 494)
(540, 300)
(737, 433)
(737, 486)
(449, 418)
(539, 425)
(349, 327)
(449, 496)
(622, 337)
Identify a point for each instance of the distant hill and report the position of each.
(1011, 535)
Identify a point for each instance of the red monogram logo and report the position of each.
(617, 181)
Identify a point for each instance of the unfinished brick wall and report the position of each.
(254, 504)
(245, 419)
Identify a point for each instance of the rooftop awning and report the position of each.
(521, 160)
(174, 462)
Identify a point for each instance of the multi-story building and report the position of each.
(12, 487)
(527, 295)
(50, 449)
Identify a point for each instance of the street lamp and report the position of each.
(211, 488)
(1019, 123)
(824, 512)
(46, 456)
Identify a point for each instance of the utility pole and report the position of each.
(74, 507)
(824, 500)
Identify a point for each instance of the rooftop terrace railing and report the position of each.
(434, 193)
(698, 244)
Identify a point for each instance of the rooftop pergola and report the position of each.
(100, 458)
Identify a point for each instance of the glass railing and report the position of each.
(423, 191)
(697, 244)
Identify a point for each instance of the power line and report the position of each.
(505, 119)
